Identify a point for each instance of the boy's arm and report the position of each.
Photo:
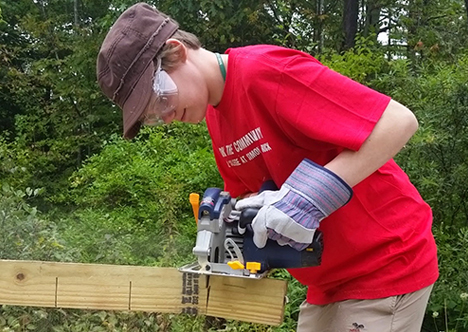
(395, 127)
(313, 192)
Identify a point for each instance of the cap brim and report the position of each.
(136, 103)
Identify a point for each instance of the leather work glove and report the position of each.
(292, 214)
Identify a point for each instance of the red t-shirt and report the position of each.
(280, 106)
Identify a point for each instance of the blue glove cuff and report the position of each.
(320, 186)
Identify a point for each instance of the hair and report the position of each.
(169, 54)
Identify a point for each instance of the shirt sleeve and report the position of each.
(325, 105)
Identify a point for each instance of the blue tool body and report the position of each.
(212, 203)
(272, 255)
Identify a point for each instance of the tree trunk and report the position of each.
(319, 26)
(75, 12)
(414, 15)
(350, 22)
(466, 8)
(372, 22)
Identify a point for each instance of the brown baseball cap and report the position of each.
(125, 65)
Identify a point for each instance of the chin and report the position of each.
(196, 117)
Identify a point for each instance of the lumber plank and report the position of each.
(245, 294)
(25, 284)
(140, 288)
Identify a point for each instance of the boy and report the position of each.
(325, 140)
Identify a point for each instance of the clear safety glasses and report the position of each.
(162, 108)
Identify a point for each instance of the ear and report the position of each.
(179, 51)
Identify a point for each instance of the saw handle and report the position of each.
(249, 214)
(274, 255)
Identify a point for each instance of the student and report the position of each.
(325, 140)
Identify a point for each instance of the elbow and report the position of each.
(412, 123)
(405, 120)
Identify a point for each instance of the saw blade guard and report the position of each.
(219, 244)
(211, 228)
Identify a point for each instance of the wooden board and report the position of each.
(140, 288)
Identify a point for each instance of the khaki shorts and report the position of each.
(402, 313)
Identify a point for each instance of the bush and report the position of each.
(23, 233)
(363, 63)
(448, 306)
(133, 197)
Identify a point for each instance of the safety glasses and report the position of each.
(162, 108)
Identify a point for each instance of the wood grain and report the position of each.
(140, 288)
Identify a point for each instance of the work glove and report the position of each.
(291, 215)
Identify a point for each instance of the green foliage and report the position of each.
(431, 30)
(23, 234)
(448, 306)
(135, 193)
(363, 63)
(50, 101)
(15, 319)
(156, 169)
(11, 161)
(226, 23)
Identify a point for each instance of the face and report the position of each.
(179, 95)
(193, 92)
